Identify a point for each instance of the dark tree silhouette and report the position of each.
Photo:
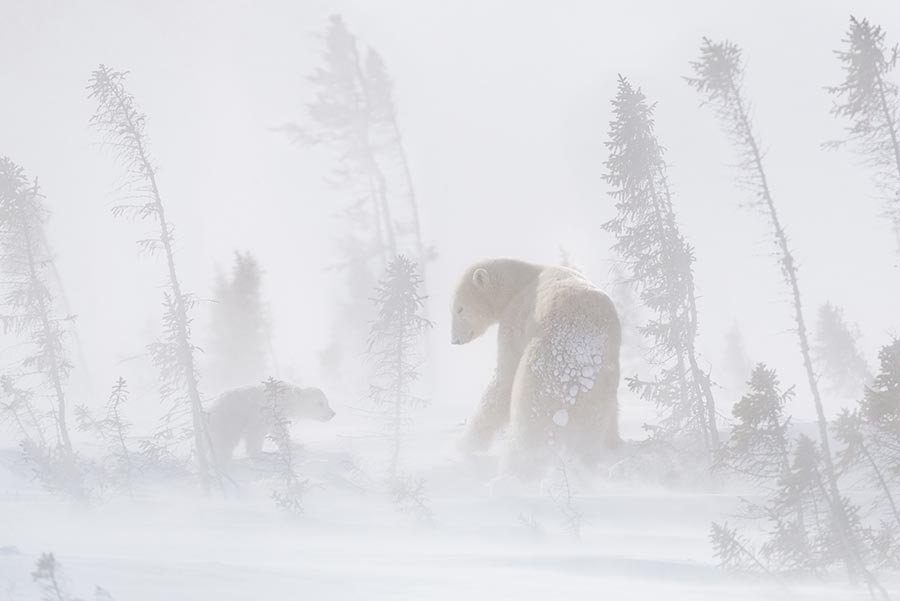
(868, 100)
(123, 126)
(659, 262)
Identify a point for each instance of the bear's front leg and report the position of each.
(493, 411)
(253, 440)
(492, 415)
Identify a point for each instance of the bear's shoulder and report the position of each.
(566, 282)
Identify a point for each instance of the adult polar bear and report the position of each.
(557, 369)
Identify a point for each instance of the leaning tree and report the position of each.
(659, 262)
(123, 127)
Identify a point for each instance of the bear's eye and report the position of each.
(459, 310)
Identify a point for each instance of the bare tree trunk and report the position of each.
(184, 344)
(706, 397)
(882, 483)
(398, 406)
(382, 196)
(413, 202)
(662, 207)
(377, 182)
(895, 146)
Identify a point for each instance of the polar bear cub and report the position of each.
(245, 414)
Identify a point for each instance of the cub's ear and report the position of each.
(480, 277)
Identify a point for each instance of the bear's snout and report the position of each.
(462, 339)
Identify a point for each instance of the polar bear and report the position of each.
(245, 413)
(557, 371)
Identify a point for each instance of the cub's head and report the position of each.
(308, 403)
(473, 310)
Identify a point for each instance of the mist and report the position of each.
(250, 248)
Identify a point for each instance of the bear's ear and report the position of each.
(480, 277)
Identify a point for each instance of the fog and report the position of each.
(504, 109)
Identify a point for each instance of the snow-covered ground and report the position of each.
(488, 539)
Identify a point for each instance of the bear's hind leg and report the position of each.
(532, 432)
(595, 432)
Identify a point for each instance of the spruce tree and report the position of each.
(659, 262)
(122, 125)
(881, 404)
(17, 409)
(291, 488)
(759, 446)
(718, 77)
(870, 435)
(395, 350)
(354, 118)
(868, 100)
(239, 330)
(30, 312)
(114, 430)
(388, 140)
(836, 348)
(861, 451)
(879, 423)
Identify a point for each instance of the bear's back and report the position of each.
(236, 408)
(563, 294)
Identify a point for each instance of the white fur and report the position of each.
(557, 372)
(242, 414)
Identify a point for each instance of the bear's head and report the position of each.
(473, 309)
(308, 403)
